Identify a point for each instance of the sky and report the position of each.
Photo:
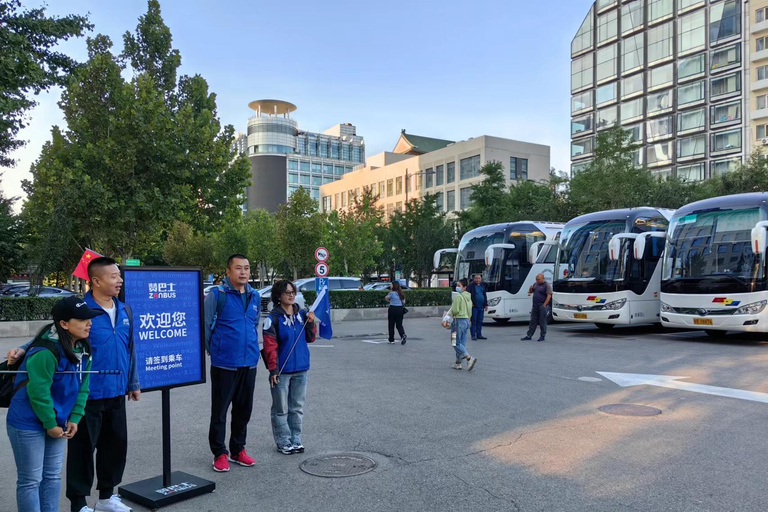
(449, 69)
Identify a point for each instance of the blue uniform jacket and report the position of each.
(476, 290)
(233, 342)
(282, 332)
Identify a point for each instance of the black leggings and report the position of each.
(395, 318)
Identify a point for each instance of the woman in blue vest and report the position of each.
(287, 330)
(49, 403)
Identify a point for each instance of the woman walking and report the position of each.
(287, 330)
(395, 312)
(461, 310)
(46, 409)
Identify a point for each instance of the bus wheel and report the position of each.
(715, 334)
(605, 327)
(501, 320)
(550, 318)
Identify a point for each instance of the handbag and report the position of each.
(405, 310)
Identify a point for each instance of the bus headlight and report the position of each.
(751, 309)
(666, 308)
(556, 304)
(494, 301)
(616, 304)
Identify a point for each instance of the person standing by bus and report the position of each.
(461, 309)
(479, 305)
(542, 295)
(395, 312)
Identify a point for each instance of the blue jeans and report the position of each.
(462, 326)
(39, 458)
(476, 329)
(288, 408)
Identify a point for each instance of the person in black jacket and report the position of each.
(479, 305)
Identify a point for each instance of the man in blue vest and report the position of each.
(232, 312)
(479, 304)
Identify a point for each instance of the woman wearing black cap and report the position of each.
(46, 409)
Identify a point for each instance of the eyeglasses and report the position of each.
(290, 293)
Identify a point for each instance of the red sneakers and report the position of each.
(221, 463)
(243, 459)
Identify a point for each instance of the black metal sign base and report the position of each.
(151, 493)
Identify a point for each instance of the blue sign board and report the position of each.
(320, 283)
(167, 306)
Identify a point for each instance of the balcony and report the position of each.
(759, 27)
(763, 54)
(759, 114)
(759, 84)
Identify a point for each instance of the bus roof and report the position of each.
(752, 199)
(545, 227)
(621, 213)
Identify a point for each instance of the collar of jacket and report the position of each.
(88, 298)
(278, 310)
(227, 284)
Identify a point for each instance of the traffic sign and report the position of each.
(321, 269)
(321, 254)
(132, 263)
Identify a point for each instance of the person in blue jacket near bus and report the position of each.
(232, 313)
(479, 305)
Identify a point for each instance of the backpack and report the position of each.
(7, 389)
(221, 301)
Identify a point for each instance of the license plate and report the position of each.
(702, 321)
(580, 316)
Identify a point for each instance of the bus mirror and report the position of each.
(489, 252)
(614, 248)
(533, 253)
(758, 238)
(639, 250)
(437, 258)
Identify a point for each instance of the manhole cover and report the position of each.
(630, 410)
(338, 466)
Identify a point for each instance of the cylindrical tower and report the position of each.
(271, 130)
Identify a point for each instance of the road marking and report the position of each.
(590, 379)
(375, 342)
(669, 381)
(320, 346)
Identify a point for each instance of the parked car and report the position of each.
(265, 299)
(383, 285)
(308, 283)
(42, 291)
(9, 291)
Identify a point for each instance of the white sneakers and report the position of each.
(113, 504)
(86, 509)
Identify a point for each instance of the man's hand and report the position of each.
(134, 395)
(273, 380)
(15, 354)
(71, 430)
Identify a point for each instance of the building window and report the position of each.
(317, 180)
(581, 102)
(581, 124)
(690, 173)
(606, 118)
(661, 77)
(582, 147)
(691, 32)
(304, 166)
(632, 53)
(512, 168)
(762, 131)
(606, 94)
(658, 9)
(726, 141)
(316, 167)
(399, 206)
(724, 20)
(762, 102)
(762, 71)
(607, 26)
(632, 85)
(381, 189)
(725, 113)
(327, 169)
(429, 177)
(451, 172)
(607, 60)
(689, 4)
(691, 67)
(293, 165)
(390, 190)
(728, 84)
(293, 177)
(338, 170)
(292, 189)
(523, 168)
(465, 193)
(691, 120)
(581, 72)
(327, 179)
(343, 199)
(347, 169)
(450, 200)
(583, 39)
(469, 167)
(577, 168)
(635, 132)
(631, 16)
(664, 174)
(336, 201)
(398, 185)
(692, 147)
(761, 44)
(658, 155)
(691, 93)
(439, 176)
(631, 110)
(439, 201)
(725, 57)
(605, 3)
(660, 43)
(660, 128)
(304, 179)
(720, 167)
(660, 102)
(761, 14)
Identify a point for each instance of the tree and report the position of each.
(185, 248)
(751, 176)
(299, 232)
(490, 203)
(28, 65)
(262, 246)
(351, 236)
(11, 250)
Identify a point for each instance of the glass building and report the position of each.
(674, 73)
(284, 158)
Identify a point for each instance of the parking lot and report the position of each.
(522, 431)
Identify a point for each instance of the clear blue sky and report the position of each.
(448, 69)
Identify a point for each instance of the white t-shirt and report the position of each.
(112, 312)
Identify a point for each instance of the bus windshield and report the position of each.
(710, 251)
(584, 252)
(471, 257)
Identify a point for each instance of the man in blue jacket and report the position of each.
(479, 304)
(232, 312)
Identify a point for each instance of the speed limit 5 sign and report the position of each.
(321, 269)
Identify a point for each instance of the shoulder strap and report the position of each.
(129, 312)
(221, 301)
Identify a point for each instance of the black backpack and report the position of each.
(7, 389)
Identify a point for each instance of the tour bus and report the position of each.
(714, 269)
(508, 256)
(608, 270)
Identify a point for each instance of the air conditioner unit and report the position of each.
(764, 141)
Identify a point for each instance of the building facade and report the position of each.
(674, 73)
(283, 157)
(448, 170)
(758, 74)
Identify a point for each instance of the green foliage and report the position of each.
(751, 176)
(299, 232)
(11, 250)
(351, 238)
(29, 65)
(353, 299)
(264, 252)
(18, 309)
(185, 248)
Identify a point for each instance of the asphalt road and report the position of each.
(519, 432)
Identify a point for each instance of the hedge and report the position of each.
(354, 299)
(26, 308)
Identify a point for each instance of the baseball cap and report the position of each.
(73, 307)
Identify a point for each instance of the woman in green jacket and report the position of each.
(461, 311)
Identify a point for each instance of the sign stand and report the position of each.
(171, 487)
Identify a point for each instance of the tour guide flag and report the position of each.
(81, 270)
(322, 309)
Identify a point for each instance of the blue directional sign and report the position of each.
(320, 283)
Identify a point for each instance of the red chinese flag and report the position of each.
(81, 270)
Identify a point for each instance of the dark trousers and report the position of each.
(233, 387)
(103, 429)
(538, 318)
(395, 318)
(476, 328)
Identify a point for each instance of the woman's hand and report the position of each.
(311, 316)
(273, 380)
(71, 430)
(56, 432)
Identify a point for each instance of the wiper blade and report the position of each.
(738, 279)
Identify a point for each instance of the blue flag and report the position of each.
(322, 309)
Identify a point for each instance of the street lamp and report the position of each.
(407, 182)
